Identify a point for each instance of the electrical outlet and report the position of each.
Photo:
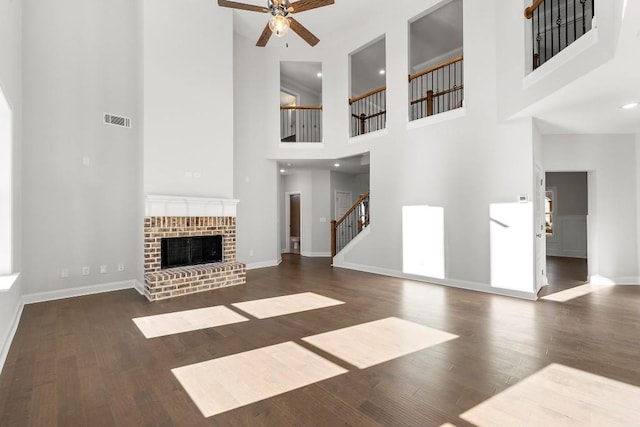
(86, 271)
(103, 269)
(120, 267)
(64, 272)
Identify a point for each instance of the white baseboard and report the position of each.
(6, 345)
(596, 279)
(263, 264)
(76, 292)
(316, 254)
(138, 286)
(461, 284)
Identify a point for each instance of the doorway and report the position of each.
(292, 216)
(344, 200)
(566, 204)
(294, 223)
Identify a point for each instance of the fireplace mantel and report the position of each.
(162, 206)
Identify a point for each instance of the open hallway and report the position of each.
(83, 361)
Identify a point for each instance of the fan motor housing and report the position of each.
(278, 7)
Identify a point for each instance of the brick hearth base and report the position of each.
(187, 280)
(172, 282)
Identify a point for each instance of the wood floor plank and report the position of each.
(82, 361)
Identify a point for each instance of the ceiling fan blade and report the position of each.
(302, 5)
(242, 6)
(303, 32)
(264, 37)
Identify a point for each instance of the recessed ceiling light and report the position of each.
(381, 71)
(319, 74)
(336, 165)
(289, 164)
(282, 171)
(629, 106)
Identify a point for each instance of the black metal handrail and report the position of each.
(436, 89)
(350, 224)
(555, 24)
(369, 111)
(300, 124)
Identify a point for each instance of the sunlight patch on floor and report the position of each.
(559, 396)
(230, 382)
(379, 341)
(288, 304)
(185, 321)
(578, 291)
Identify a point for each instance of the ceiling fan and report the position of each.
(281, 19)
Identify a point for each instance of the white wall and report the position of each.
(571, 197)
(255, 176)
(320, 214)
(11, 86)
(81, 179)
(463, 164)
(587, 53)
(188, 98)
(611, 163)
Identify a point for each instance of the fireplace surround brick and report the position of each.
(172, 282)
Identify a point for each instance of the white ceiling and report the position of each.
(442, 27)
(302, 74)
(365, 68)
(353, 165)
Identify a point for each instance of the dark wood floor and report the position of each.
(564, 273)
(83, 362)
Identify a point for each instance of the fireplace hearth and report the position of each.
(189, 246)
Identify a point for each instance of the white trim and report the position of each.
(461, 284)
(456, 113)
(297, 145)
(315, 254)
(138, 286)
(76, 292)
(263, 264)
(162, 205)
(582, 44)
(6, 345)
(369, 135)
(596, 279)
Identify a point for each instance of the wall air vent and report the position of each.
(110, 119)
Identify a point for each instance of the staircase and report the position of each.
(350, 224)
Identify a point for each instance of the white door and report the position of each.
(539, 229)
(344, 200)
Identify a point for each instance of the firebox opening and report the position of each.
(183, 251)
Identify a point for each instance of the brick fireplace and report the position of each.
(170, 217)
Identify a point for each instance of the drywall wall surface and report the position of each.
(81, 179)
(188, 98)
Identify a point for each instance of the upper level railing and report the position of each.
(555, 24)
(369, 111)
(437, 89)
(354, 220)
(300, 124)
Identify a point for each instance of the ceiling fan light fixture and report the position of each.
(279, 25)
